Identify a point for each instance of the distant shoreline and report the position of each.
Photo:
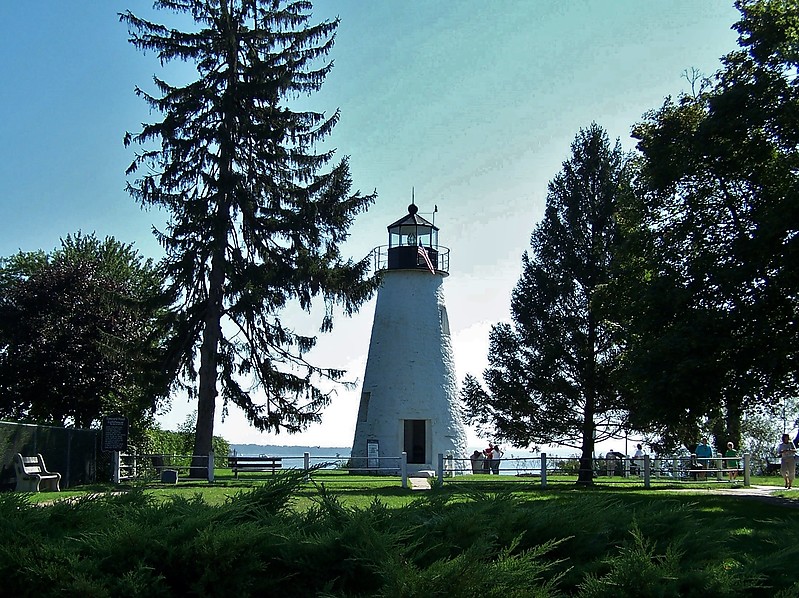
(288, 449)
(297, 450)
(285, 446)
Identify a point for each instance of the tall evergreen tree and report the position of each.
(548, 374)
(257, 214)
(714, 329)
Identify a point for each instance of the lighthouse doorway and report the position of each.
(416, 440)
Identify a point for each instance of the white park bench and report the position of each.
(32, 474)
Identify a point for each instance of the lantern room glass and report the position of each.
(413, 234)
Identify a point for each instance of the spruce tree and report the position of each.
(548, 379)
(257, 213)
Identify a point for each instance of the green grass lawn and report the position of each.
(354, 490)
(359, 491)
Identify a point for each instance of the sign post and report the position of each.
(372, 454)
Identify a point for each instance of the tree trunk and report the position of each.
(586, 474)
(209, 351)
(212, 332)
(733, 414)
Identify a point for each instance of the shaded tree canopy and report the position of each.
(713, 327)
(82, 334)
(548, 379)
(256, 213)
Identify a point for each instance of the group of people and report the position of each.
(786, 451)
(704, 452)
(487, 460)
(700, 460)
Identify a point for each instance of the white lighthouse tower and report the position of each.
(409, 399)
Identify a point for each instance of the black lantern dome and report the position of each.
(409, 240)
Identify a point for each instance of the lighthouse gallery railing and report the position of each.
(380, 258)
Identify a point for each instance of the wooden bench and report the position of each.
(32, 474)
(772, 468)
(245, 464)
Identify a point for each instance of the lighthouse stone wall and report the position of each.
(410, 371)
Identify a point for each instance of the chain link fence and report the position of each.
(72, 452)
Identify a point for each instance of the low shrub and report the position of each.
(453, 541)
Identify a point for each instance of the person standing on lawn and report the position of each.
(731, 461)
(787, 452)
(497, 455)
(488, 456)
(477, 461)
(703, 454)
(638, 460)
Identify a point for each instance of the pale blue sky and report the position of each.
(472, 103)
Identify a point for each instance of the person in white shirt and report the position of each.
(787, 452)
(496, 456)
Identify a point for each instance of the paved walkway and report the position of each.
(761, 493)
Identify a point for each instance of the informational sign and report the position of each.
(115, 433)
(372, 454)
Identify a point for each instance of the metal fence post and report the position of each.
(210, 466)
(440, 470)
(404, 469)
(65, 474)
(306, 465)
(646, 471)
(747, 468)
(543, 470)
(116, 463)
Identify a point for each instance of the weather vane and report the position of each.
(413, 202)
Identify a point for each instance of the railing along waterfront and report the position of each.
(542, 469)
(324, 468)
(546, 469)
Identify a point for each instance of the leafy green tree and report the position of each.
(548, 379)
(713, 329)
(82, 334)
(257, 213)
(156, 441)
(762, 428)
